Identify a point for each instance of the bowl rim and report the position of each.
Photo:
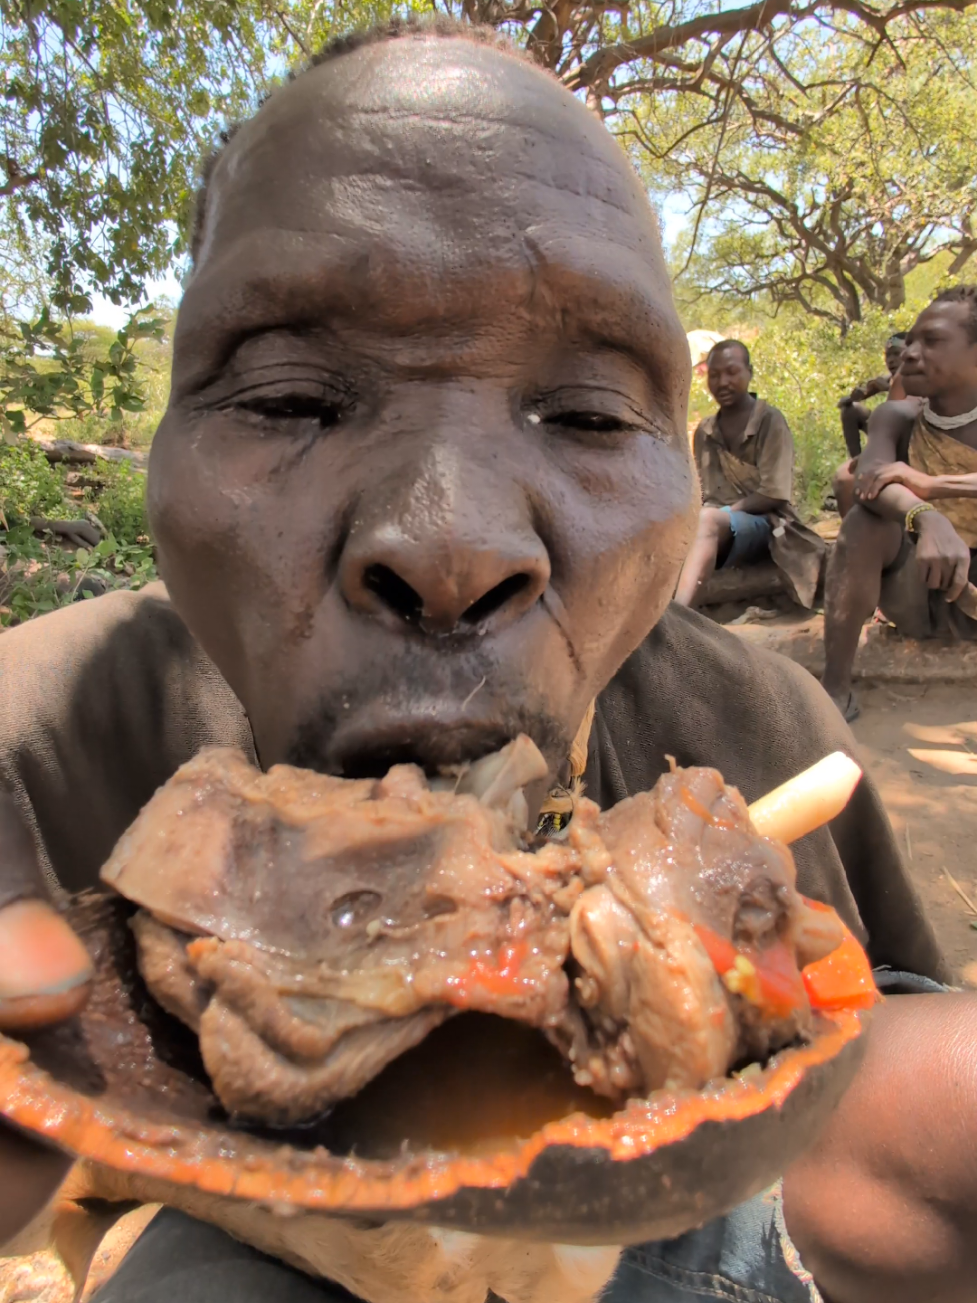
(189, 1155)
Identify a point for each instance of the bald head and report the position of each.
(445, 111)
(427, 424)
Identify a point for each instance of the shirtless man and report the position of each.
(424, 482)
(855, 416)
(906, 546)
(744, 454)
(854, 413)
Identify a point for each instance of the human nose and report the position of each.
(451, 550)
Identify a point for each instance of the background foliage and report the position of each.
(823, 150)
(803, 366)
(37, 573)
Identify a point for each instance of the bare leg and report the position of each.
(843, 487)
(713, 534)
(866, 546)
(854, 419)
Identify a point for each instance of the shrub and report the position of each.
(29, 484)
(121, 504)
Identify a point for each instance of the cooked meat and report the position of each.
(404, 904)
(311, 929)
(702, 888)
(655, 1009)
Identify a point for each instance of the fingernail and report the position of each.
(39, 953)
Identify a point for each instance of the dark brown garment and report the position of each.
(917, 610)
(763, 463)
(102, 701)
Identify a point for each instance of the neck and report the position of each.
(742, 404)
(956, 401)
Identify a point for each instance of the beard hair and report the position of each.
(515, 709)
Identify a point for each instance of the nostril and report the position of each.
(495, 599)
(394, 592)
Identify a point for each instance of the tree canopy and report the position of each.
(824, 146)
(843, 165)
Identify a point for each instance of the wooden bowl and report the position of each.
(479, 1128)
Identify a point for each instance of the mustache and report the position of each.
(361, 729)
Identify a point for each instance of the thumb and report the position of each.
(45, 970)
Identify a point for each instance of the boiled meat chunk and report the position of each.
(691, 884)
(311, 929)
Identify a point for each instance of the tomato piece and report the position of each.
(768, 978)
(720, 951)
(781, 986)
(841, 980)
(501, 978)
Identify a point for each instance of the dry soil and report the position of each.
(919, 742)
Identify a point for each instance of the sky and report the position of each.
(106, 313)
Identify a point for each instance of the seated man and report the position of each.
(745, 458)
(907, 544)
(424, 483)
(855, 416)
(854, 413)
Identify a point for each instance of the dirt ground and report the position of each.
(919, 742)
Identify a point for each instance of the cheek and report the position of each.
(624, 507)
(241, 535)
(625, 528)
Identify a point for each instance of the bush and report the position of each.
(39, 574)
(29, 484)
(121, 504)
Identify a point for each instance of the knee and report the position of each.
(844, 478)
(859, 530)
(711, 522)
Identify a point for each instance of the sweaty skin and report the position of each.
(423, 480)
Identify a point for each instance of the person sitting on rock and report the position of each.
(854, 413)
(745, 457)
(854, 418)
(908, 543)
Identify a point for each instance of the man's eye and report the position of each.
(295, 407)
(595, 422)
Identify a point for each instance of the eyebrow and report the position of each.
(300, 287)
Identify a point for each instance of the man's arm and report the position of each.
(926, 487)
(758, 504)
(867, 389)
(889, 488)
(775, 462)
(884, 1206)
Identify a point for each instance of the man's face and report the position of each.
(728, 376)
(423, 481)
(940, 356)
(894, 350)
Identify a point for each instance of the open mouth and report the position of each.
(434, 749)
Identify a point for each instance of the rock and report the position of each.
(884, 656)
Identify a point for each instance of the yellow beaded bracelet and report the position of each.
(913, 512)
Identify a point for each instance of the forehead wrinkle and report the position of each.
(504, 176)
(301, 281)
(614, 172)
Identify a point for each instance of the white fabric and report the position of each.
(947, 422)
